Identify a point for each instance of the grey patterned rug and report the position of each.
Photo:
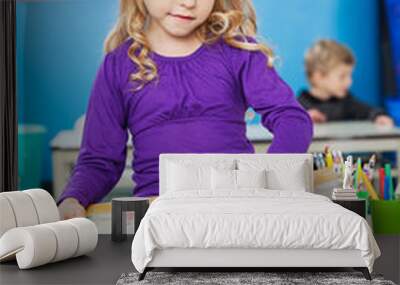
(243, 278)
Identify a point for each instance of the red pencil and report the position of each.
(382, 182)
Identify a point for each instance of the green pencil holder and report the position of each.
(385, 216)
(362, 195)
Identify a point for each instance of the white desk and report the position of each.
(357, 136)
(344, 136)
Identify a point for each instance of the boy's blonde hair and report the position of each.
(325, 55)
(233, 20)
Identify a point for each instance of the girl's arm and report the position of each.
(271, 97)
(102, 155)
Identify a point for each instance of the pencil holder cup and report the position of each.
(362, 195)
(385, 216)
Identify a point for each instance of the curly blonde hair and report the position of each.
(232, 20)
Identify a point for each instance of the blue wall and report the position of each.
(60, 48)
(293, 25)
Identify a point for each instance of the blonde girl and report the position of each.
(179, 75)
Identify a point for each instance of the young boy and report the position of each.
(329, 66)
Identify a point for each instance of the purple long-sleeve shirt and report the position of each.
(197, 106)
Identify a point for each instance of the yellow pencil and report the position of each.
(329, 160)
(359, 171)
(369, 187)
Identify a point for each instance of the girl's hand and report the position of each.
(317, 116)
(71, 208)
(384, 120)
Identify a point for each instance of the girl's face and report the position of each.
(178, 18)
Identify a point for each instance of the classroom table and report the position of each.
(354, 136)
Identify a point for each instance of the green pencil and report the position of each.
(388, 173)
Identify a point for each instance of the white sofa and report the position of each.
(31, 231)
